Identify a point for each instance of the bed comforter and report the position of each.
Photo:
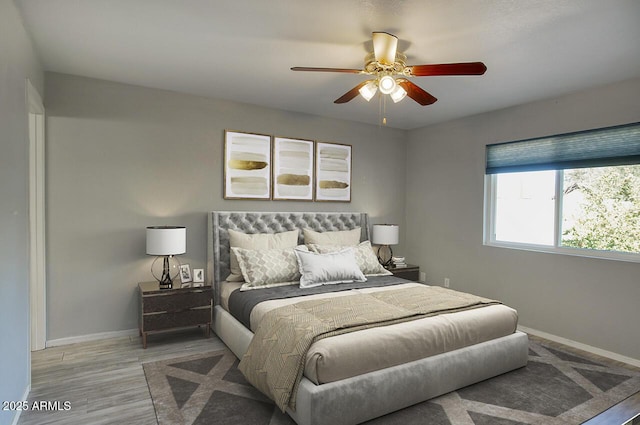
(275, 359)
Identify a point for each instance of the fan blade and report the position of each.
(416, 93)
(345, 70)
(466, 68)
(351, 93)
(384, 47)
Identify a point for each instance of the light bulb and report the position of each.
(368, 90)
(398, 94)
(387, 84)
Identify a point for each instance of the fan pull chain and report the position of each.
(382, 109)
(379, 110)
(384, 113)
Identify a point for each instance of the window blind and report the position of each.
(618, 145)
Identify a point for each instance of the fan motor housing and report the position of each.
(372, 66)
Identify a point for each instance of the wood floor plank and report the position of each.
(104, 380)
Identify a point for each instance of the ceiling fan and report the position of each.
(388, 67)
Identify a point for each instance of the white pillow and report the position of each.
(365, 257)
(257, 241)
(328, 269)
(340, 237)
(267, 268)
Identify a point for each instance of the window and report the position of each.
(601, 208)
(525, 207)
(584, 203)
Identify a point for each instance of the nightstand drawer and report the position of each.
(176, 301)
(410, 272)
(165, 309)
(162, 321)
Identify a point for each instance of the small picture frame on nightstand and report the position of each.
(185, 273)
(198, 276)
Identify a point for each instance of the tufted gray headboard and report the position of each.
(268, 222)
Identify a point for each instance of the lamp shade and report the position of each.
(385, 234)
(166, 240)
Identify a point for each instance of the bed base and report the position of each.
(364, 397)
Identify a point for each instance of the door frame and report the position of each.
(37, 247)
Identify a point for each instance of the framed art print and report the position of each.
(185, 273)
(198, 275)
(333, 172)
(292, 169)
(247, 165)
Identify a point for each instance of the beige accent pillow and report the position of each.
(267, 268)
(340, 237)
(365, 257)
(257, 241)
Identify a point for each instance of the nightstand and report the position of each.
(166, 309)
(410, 272)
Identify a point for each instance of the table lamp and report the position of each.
(385, 235)
(165, 242)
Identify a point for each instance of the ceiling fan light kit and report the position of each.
(388, 65)
(387, 84)
(398, 94)
(368, 90)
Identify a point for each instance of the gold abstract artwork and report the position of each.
(247, 166)
(333, 169)
(292, 169)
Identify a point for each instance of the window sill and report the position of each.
(576, 252)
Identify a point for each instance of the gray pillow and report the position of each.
(328, 269)
(365, 257)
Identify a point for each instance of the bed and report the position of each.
(350, 399)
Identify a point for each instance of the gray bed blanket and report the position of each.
(241, 303)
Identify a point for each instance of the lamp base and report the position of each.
(385, 260)
(170, 269)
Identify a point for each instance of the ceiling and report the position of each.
(243, 50)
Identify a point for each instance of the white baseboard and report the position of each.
(580, 346)
(90, 337)
(25, 397)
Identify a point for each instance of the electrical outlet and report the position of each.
(423, 277)
(446, 282)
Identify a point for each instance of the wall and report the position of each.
(17, 62)
(122, 157)
(591, 301)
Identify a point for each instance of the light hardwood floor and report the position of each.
(105, 383)
(104, 380)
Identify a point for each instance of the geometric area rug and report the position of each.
(555, 388)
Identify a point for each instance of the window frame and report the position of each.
(489, 226)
